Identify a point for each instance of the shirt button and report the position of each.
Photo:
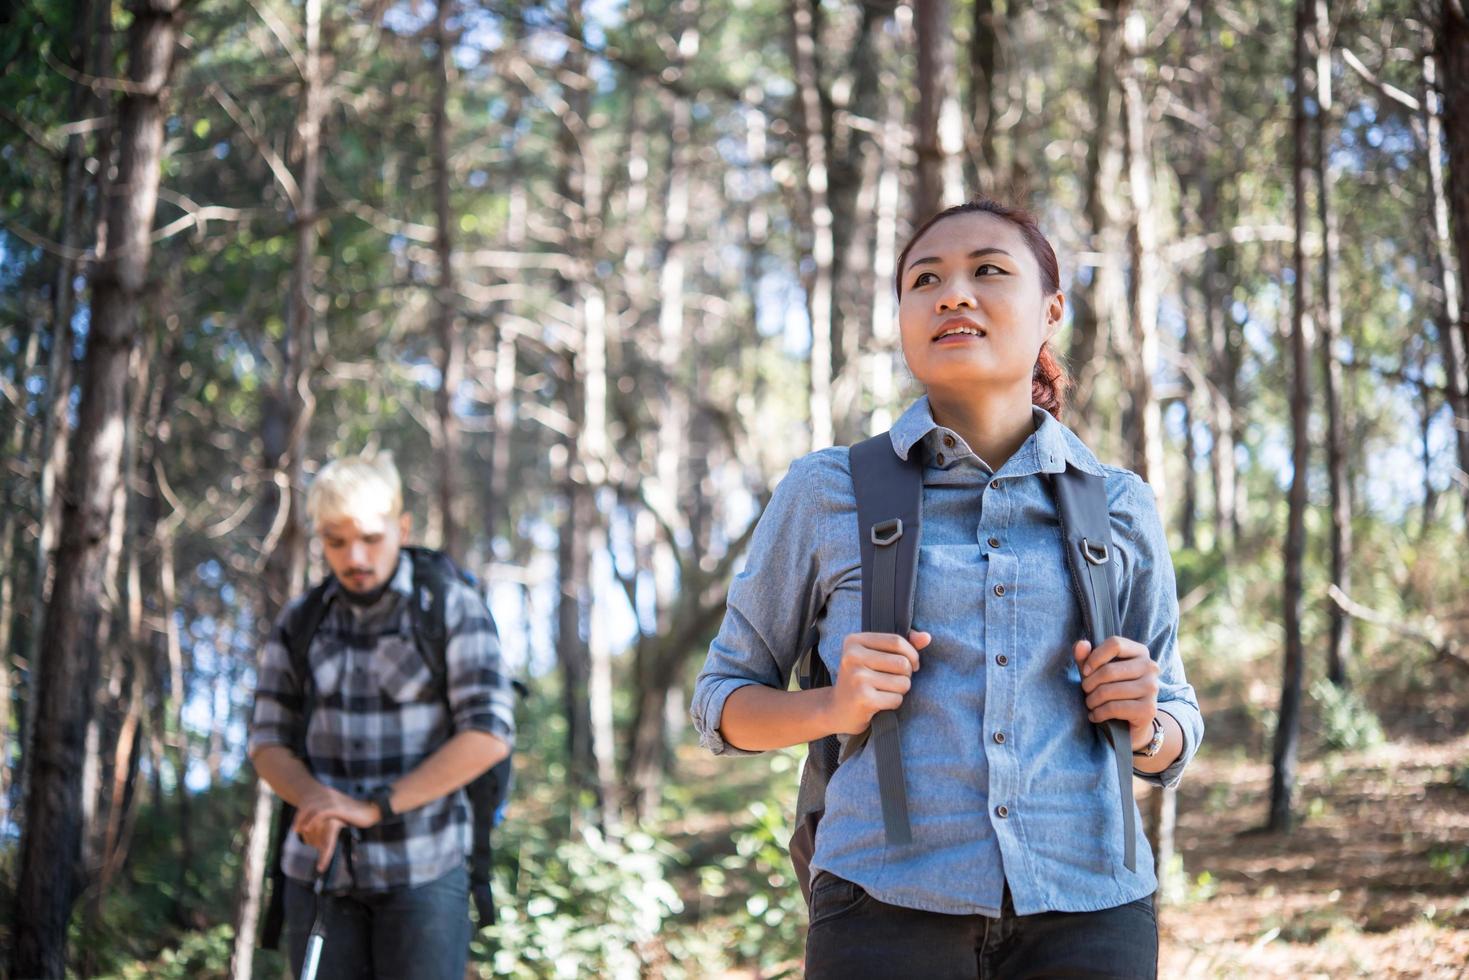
(941, 459)
(949, 441)
(1000, 737)
(994, 542)
(1002, 811)
(999, 590)
(994, 484)
(1001, 659)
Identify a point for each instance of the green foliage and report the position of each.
(1347, 723)
(579, 906)
(1177, 887)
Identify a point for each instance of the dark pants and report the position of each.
(418, 932)
(853, 935)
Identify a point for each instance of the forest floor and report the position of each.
(1373, 881)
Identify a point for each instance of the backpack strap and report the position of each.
(889, 521)
(300, 629)
(433, 574)
(1081, 500)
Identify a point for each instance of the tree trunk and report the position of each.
(1097, 305)
(1143, 284)
(886, 354)
(92, 51)
(809, 125)
(1453, 89)
(450, 338)
(52, 833)
(1287, 732)
(286, 418)
(1338, 650)
(938, 136)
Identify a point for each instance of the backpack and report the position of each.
(889, 494)
(433, 574)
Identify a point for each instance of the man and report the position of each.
(387, 746)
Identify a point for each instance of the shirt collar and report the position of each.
(1048, 450)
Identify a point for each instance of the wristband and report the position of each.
(382, 799)
(1155, 744)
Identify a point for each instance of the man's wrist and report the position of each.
(1148, 740)
(382, 801)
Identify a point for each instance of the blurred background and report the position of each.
(597, 272)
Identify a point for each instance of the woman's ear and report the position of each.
(1055, 313)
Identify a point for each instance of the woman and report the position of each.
(1016, 863)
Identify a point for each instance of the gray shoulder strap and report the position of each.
(1081, 500)
(889, 494)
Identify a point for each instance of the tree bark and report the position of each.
(1338, 650)
(939, 141)
(1098, 304)
(1453, 88)
(809, 125)
(286, 418)
(1287, 732)
(52, 833)
(450, 338)
(1143, 284)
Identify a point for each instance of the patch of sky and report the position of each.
(780, 308)
(778, 87)
(221, 149)
(408, 18)
(478, 178)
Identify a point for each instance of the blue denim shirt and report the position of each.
(996, 664)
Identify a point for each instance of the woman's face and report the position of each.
(972, 310)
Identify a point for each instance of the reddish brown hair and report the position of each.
(1049, 381)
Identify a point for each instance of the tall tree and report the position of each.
(52, 834)
(1452, 44)
(939, 138)
(286, 423)
(1338, 650)
(1288, 724)
(449, 336)
(823, 247)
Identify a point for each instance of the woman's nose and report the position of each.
(954, 299)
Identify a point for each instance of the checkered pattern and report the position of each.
(379, 713)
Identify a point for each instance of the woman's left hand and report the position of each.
(1120, 681)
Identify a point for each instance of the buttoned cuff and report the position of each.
(708, 714)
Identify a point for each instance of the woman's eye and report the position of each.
(994, 270)
(923, 279)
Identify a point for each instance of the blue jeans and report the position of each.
(418, 932)
(853, 935)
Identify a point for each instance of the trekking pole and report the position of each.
(317, 938)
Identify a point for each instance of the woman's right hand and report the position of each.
(876, 673)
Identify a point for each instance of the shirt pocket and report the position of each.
(401, 671)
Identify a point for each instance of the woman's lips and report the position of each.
(954, 323)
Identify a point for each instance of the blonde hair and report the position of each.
(351, 484)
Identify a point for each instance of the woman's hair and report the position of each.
(1049, 382)
(355, 484)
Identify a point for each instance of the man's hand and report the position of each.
(323, 813)
(1120, 680)
(875, 674)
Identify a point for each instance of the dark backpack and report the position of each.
(889, 494)
(433, 574)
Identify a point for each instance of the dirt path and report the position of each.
(1374, 883)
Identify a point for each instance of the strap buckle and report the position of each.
(1097, 554)
(886, 532)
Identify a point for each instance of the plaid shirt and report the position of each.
(378, 715)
